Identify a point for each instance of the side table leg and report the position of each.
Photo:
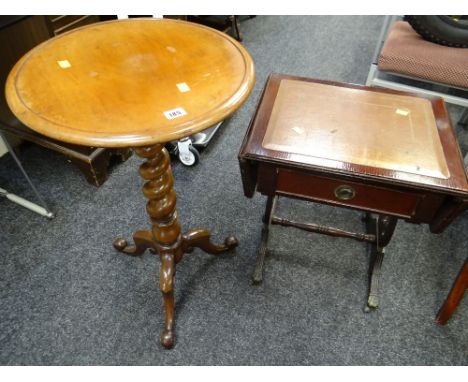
(383, 227)
(166, 230)
(165, 238)
(455, 295)
(257, 276)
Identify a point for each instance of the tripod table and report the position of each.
(137, 83)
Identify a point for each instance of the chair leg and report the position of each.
(454, 297)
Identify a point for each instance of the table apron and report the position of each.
(411, 205)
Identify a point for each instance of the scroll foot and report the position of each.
(142, 239)
(167, 339)
(201, 239)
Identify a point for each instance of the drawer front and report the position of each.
(347, 193)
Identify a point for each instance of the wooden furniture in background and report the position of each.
(19, 34)
(137, 83)
(460, 285)
(390, 154)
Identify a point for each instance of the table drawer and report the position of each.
(347, 193)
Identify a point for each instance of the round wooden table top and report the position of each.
(132, 82)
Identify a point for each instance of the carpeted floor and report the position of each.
(67, 297)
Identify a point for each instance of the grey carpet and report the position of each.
(67, 297)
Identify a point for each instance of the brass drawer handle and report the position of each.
(345, 192)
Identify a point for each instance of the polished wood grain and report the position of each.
(137, 83)
(18, 38)
(112, 84)
(322, 189)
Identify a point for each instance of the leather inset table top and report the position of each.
(389, 131)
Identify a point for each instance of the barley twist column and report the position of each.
(165, 237)
(166, 230)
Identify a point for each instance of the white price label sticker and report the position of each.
(298, 130)
(402, 111)
(175, 113)
(64, 64)
(183, 87)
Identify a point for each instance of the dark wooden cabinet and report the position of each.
(19, 34)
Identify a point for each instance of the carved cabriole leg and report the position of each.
(200, 238)
(142, 239)
(383, 227)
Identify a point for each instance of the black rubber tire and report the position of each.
(442, 30)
